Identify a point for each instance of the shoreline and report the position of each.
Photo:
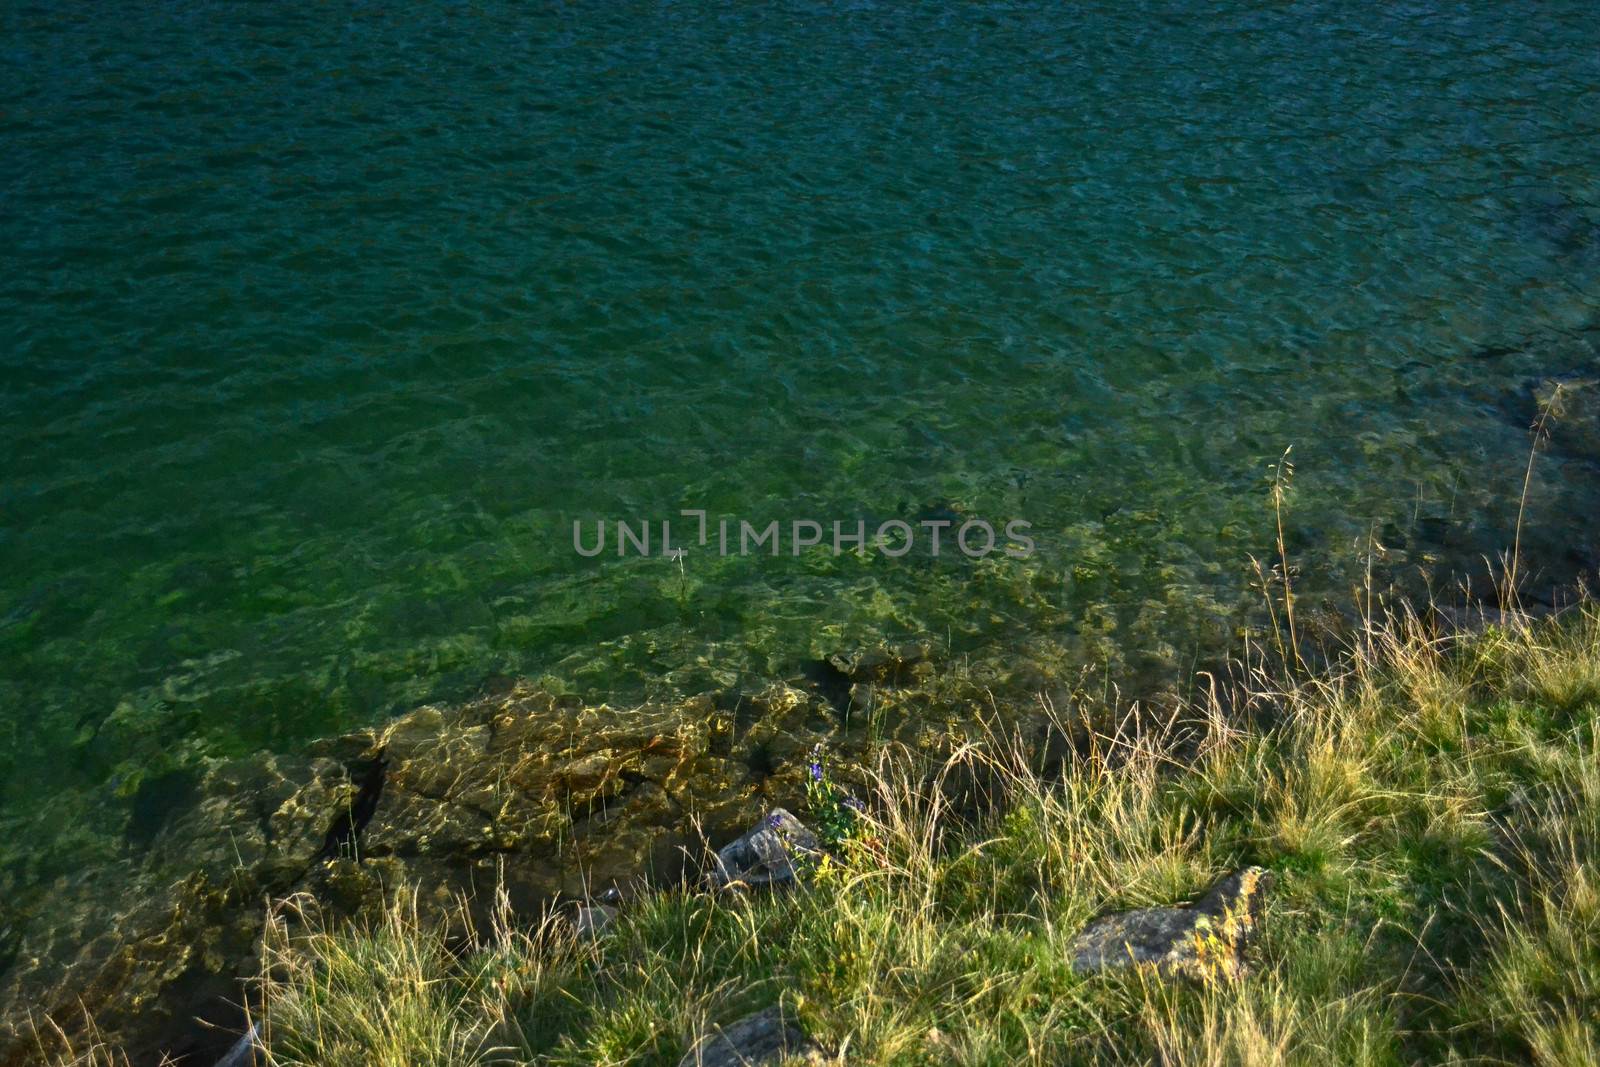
(429, 834)
(541, 796)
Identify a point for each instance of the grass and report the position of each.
(1430, 809)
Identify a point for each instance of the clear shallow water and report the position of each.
(321, 327)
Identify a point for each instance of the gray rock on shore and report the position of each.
(1205, 940)
(590, 920)
(766, 1037)
(768, 854)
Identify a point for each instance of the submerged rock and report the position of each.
(148, 945)
(768, 854)
(537, 794)
(766, 1037)
(1205, 940)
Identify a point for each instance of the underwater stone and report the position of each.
(1205, 941)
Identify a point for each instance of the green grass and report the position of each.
(1431, 811)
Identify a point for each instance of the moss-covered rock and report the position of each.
(1205, 941)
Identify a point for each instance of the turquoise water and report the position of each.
(322, 325)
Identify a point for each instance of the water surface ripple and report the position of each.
(322, 323)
